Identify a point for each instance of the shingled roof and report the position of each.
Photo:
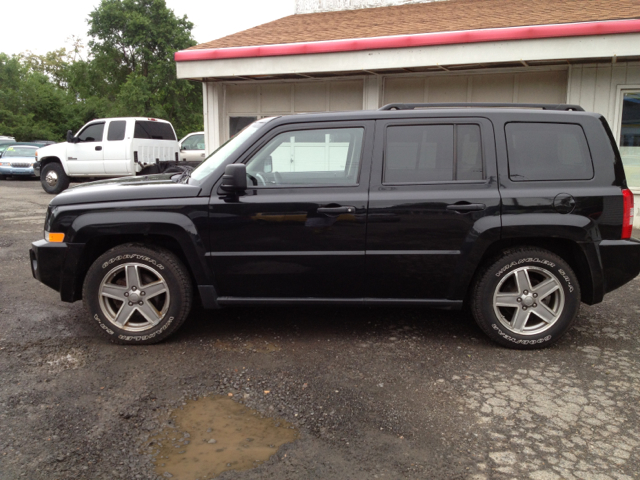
(441, 16)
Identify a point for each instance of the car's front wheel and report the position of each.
(526, 298)
(53, 178)
(137, 295)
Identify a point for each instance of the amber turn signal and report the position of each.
(54, 237)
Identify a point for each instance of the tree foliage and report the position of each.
(130, 71)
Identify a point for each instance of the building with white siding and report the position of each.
(344, 56)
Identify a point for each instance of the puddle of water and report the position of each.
(215, 434)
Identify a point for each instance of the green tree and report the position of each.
(130, 72)
(132, 46)
(31, 105)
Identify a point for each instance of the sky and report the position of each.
(45, 25)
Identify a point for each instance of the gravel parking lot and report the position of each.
(373, 392)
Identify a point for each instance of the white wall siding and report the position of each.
(542, 86)
(278, 98)
(594, 86)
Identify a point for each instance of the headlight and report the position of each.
(5, 164)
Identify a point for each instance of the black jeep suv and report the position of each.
(521, 213)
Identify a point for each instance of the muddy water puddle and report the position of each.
(215, 434)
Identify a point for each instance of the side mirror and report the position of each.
(234, 179)
(268, 165)
(70, 136)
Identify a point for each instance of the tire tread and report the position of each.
(184, 281)
(484, 277)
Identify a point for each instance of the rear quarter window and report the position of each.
(153, 130)
(547, 152)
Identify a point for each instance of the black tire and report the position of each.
(53, 179)
(533, 320)
(154, 308)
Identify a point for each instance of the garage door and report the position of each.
(525, 87)
(248, 102)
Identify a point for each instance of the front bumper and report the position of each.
(57, 265)
(27, 171)
(620, 262)
(36, 169)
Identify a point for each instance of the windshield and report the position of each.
(20, 152)
(216, 159)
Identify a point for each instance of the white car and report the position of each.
(109, 147)
(192, 147)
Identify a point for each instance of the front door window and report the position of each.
(325, 157)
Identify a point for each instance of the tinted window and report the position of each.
(116, 130)
(308, 157)
(153, 130)
(469, 164)
(547, 151)
(93, 133)
(236, 124)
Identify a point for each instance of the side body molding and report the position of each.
(485, 232)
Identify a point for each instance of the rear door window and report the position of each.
(417, 154)
(116, 130)
(547, 152)
(153, 130)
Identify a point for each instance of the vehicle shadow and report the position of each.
(322, 322)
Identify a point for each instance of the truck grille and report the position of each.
(20, 165)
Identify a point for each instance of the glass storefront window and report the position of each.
(630, 137)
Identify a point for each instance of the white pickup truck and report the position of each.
(109, 147)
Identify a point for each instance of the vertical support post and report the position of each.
(372, 93)
(212, 109)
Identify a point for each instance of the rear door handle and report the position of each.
(336, 210)
(98, 148)
(466, 207)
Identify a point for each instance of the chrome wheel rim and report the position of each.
(134, 297)
(528, 300)
(51, 178)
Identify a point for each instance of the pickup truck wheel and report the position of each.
(53, 178)
(137, 294)
(526, 298)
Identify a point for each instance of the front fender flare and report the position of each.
(169, 224)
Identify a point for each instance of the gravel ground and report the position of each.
(374, 392)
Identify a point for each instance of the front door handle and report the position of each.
(98, 148)
(336, 210)
(466, 207)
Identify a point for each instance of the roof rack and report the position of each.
(543, 106)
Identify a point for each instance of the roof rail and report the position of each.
(543, 106)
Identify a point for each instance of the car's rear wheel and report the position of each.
(137, 294)
(526, 298)
(53, 178)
